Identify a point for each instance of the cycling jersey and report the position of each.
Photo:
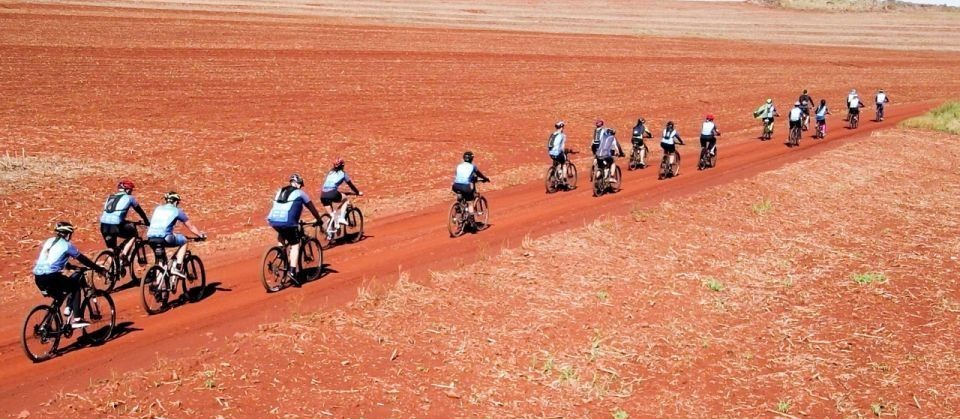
(287, 207)
(638, 132)
(464, 174)
(54, 255)
(598, 135)
(853, 101)
(881, 98)
(163, 220)
(334, 179)
(708, 128)
(669, 136)
(558, 140)
(770, 111)
(116, 207)
(805, 101)
(822, 113)
(606, 147)
(796, 114)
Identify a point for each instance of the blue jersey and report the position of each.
(54, 255)
(334, 179)
(464, 174)
(116, 207)
(285, 211)
(163, 220)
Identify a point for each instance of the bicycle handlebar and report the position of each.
(197, 239)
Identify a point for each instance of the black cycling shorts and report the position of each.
(707, 141)
(668, 148)
(466, 192)
(559, 158)
(854, 111)
(604, 162)
(111, 232)
(58, 285)
(328, 198)
(795, 124)
(288, 235)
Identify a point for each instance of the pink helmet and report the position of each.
(338, 163)
(599, 123)
(709, 117)
(125, 184)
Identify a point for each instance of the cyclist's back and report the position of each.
(47, 270)
(113, 219)
(466, 174)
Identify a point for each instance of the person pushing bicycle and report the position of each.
(555, 149)
(284, 217)
(48, 276)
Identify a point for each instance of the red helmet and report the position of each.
(125, 184)
(599, 123)
(709, 117)
(338, 163)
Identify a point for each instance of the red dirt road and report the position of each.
(414, 242)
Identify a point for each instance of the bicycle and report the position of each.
(605, 182)
(794, 139)
(669, 165)
(335, 231)
(276, 275)
(556, 181)
(44, 325)
(460, 217)
(708, 157)
(767, 132)
(136, 260)
(638, 157)
(821, 126)
(805, 121)
(159, 284)
(854, 121)
(879, 112)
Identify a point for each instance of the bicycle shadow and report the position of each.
(119, 330)
(345, 240)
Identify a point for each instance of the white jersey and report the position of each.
(853, 101)
(795, 114)
(708, 127)
(881, 98)
(669, 136)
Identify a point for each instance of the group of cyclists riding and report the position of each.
(799, 116)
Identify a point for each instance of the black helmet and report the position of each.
(559, 124)
(468, 156)
(171, 197)
(296, 178)
(63, 228)
(669, 124)
(641, 121)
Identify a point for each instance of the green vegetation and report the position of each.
(945, 118)
(783, 406)
(869, 278)
(762, 207)
(620, 414)
(713, 284)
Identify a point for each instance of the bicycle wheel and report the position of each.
(551, 181)
(325, 240)
(311, 260)
(41, 333)
(664, 167)
(455, 221)
(153, 290)
(98, 309)
(571, 175)
(274, 270)
(598, 184)
(675, 167)
(196, 280)
(702, 164)
(106, 282)
(141, 260)
(354, 224)
(481, 213)
(712, 160)
(618, 179)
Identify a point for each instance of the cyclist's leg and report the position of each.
(109, 233)
(180, 242)
(127, 231)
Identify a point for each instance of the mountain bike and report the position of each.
(335, 232)
(821, 127)
(805, 121)
(708, 157)
(794, 139)
(159, 283)
(45, 325)
(136, 260)
(638, 157)
(669, 165)
(605, 182)
(854, 120)
(460, 218)
(556, 181)
(879, 112)
(275, 274)
(767, 132)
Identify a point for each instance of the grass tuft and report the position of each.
(713, 284)
(945, 118)
(620, 414)
(869, 278)
(762, 207)
(783, 406)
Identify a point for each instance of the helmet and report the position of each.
(560, 124)
(804, 91)
(796, 103)
(63, 228)
(641, 121)
(171, 197)
(769, 100)
(881, 90)
(296, 178)
(125, 184)
(669, 124)
(853, 91)
(599, 123)
(709, 117)
(338, 163)
(468, 156)
(611, 131)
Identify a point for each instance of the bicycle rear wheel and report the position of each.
(98, 310)
(481, 213)
(702, 164)
(456, 219)
(153, 294)
(196, 280)
(106, 282)
(311, 260)
(551, 181)
(675, 167)
(274, 269)
(354, 224)
(41, 333)
(141, 260)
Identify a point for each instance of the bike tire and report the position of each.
(195, 284)
(274, 269)
(675, 167)
(598, 187)
(108, 281)
(618, 175)
(153, 298)
(481, 215)
(311, 260)
(325, 241)
(712, 159)
(355, 224)
(702, 164)
(571, 175)
(456, 220)
(99, 310)
(42, 326)
(141, 260)
(551, 182)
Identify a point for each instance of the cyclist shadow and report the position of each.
(347, 240)
(120, 330)
(126, 286)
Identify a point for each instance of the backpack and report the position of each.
(551, 140)
(283, 195)
(112, 201)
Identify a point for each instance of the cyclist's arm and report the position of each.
(646, 133)
(193, 229)
(143, 215)
(354, 188)
(479, 175)
(313, 210)
(80, 257)
(679, 140)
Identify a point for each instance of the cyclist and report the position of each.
(555, 149)
(768, 112)
(606, 150)
(284, 217)
(882, 99)
(639, 133)
(709, 134)
(48, 276)
(822, 112)
(330, 193)
(795, 117)
(669, 140)
(113, 220)
(160, 234)
(467, 175)
(853, 104)
(805, 103)
(598, 134)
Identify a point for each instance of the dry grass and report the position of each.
(846, 5)
(20, 172)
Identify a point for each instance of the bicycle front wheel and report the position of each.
(196, 281)
(481, 213)
(354, 224)
(455, 219)
(615, 185)
(571, 175)
(274, 269)
(551, 183)
(326, 240)
(41, 333)
(311, 260)
(106, 282)
(153, 290)
(98, 309)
